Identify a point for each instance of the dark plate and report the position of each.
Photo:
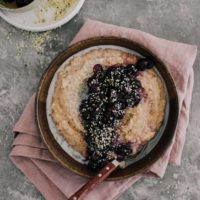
(155, 147)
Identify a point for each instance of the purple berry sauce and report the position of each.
(110, 93)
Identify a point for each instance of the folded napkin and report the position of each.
(32, 157)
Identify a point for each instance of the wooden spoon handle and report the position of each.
(102, 175)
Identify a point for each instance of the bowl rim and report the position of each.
(41, 95)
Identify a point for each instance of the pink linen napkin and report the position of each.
(31, 156)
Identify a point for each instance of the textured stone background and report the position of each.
(22, 63)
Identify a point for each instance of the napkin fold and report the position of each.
(32, 157)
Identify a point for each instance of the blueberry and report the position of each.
(93, 99)
(130, 103)
(131, 70)
(123, 149)
(113, 76)
(113, 96)
(97, 163)
(101, 77)
(93, 85)
(97, 68)
(108, 118)
(144, 63)
(103, 95)
(91, 81)
(136, 83)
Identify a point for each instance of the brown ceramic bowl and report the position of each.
(155, 147)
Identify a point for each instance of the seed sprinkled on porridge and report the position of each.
(59, 8)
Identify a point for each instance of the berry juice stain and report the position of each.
(110, 93)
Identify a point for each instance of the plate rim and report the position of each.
(52, 26)
(100, 39)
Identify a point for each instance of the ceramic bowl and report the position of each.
(154, 149)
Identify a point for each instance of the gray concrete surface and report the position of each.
(21, 65)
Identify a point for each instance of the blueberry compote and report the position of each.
(110, 93)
